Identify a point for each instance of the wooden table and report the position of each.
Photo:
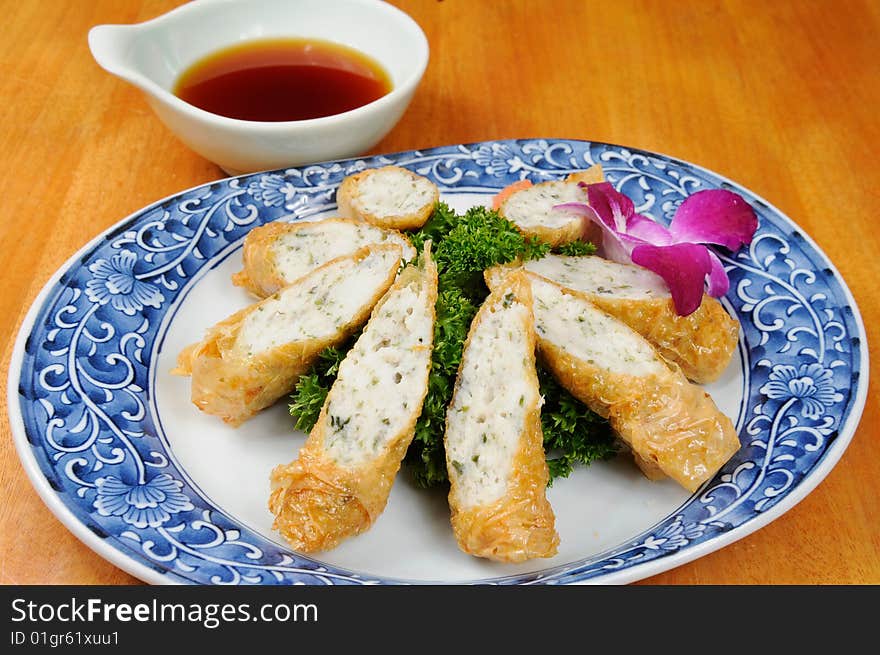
(780, 96)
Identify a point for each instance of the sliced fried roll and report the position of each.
(277, 254)
(494, 444)
(251, 359)
(390, 196)
(531, 211)
(670, 423)
(702, 343)
(340, 482)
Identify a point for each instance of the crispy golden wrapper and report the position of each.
(263, 274)
(520, 525)
(349, 199)
(318, 502)
(556, 236)
(260, 274)
(701, 344)
(235, 387)
(672, 425)
(592, 175)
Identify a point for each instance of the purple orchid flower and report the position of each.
(677, 253)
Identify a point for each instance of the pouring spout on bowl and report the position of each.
(112, 46)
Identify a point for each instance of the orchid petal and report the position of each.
(683, 266)
(715, 216)
(581, 208)
(719, 283)
(612, 207)
(648, 230)
(615, 245)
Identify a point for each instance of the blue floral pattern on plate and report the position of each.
(83, 385)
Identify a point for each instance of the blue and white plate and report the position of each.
(116, 450)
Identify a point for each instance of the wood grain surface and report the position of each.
(780, 96)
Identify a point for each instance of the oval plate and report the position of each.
(114, 448)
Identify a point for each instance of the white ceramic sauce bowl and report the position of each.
(152, 55)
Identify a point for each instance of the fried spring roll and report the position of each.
(702, 343)
(389, 196)
(531, 211)
(494, 444)
(671, 424)
(251, 359)
(278, 254)
(340, 482)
